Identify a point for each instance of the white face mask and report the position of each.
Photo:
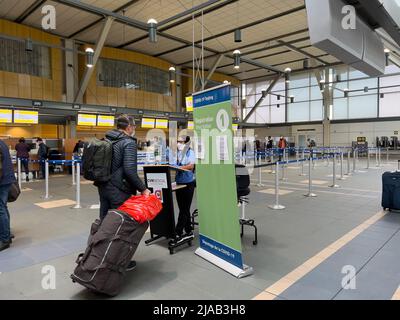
(181, 146)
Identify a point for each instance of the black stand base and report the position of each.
(152, 239)
(172, 247)
(251, 223)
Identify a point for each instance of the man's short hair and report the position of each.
(39, 139)
(22, 140)
(124, 121)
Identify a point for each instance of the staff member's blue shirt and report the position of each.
(183, 177)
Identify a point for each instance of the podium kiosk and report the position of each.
(158, 181)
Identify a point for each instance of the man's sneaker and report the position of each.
(175, 240)
(4, 245)
(185, 237)
(131, 266)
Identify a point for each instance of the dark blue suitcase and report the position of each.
(391, 190)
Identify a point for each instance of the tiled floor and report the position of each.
(287, 240)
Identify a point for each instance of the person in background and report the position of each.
(257, 150)
(43, 154)
(78, 148)
(124, 181)
(282, 145)
(185, 160)
(311, 146)
(23, 149)
(7, 178)
(270, 145)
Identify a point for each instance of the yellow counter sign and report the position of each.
(161, 123)
(189, 104)
(148, 123)
(87, 120)
(190, 125)
(25, 116)
(5, 116)
(105, 121)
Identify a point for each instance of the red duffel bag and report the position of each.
(142, 208)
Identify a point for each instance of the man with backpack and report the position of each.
(7, 178)
(112, 164)
(43, 154)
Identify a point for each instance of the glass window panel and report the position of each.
(389, 105)
(298, 112)
(299, 80)
(262, 86)
(302, 94)
(340, 108)
(355, 74)
(262, 115)
(279, 87)
(252, 118)
(392, 81)
(392, 69)
(364, 106)
(316, 110)
(250, 88)
(15, 58)
(128, 75)
(361, 84)
(315, 93)
(278, 114)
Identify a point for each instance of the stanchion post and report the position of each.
(310, 193)
(78, 186)
(19, 172)
(334, 185)
(379, 157)
(367, 158)
(284, 171)
(73, 172)
(277, 206)
(341, 166)
(354, 160)
(348, 163)
(260, 184)
(387, 155)
(46, 174)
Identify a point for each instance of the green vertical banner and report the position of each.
(220, 241)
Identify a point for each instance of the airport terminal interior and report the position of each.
(303, 96)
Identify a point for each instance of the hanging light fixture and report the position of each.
(89, 57)
(346, 93)
(366, 89)
(238, 35)
(387, 55)
(236, 57)
(238, 32)
(152, 24)
(306, 63)
(287, 74)
(172, 74)
(291, 99)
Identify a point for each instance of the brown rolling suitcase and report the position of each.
(111, 246)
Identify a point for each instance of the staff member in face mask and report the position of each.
(185, 160)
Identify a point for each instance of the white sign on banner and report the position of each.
(222, 148)
(157, 181)
(200, 149)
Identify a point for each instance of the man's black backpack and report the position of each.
(97, 159)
